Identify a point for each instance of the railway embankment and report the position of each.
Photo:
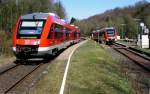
(134, 47)
(93, 68)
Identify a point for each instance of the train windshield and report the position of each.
(111, 32)
(31, 29)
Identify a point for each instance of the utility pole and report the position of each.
(17, 3)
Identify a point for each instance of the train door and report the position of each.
(51, 35)
(58, 36)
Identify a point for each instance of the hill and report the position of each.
(126, 19)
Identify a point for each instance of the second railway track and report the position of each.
(139, 59)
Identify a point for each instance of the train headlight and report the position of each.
(14, 49)
(37, 42)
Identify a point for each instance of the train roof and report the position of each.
(102, 30)
(39, 16)
(44, 16)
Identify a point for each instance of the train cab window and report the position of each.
(30, 29)
(51, 32)
(111, 32)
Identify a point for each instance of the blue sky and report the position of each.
(82, 9)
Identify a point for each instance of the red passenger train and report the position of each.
(106, 35)
(42, 35)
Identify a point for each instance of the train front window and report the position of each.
(111, 32)
(31, 29)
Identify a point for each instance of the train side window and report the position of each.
(51, 31)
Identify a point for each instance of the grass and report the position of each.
(93, 71)
(51, 82)
(127, 43)
(147, 50)
(144, 49)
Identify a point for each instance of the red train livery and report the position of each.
(42, 35)
(106, 35)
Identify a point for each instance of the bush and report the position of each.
(5, 43)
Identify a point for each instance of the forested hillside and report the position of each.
(126, 19)
(10, 10)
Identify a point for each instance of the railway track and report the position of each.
(140, 59)
(15, 75)
(9, 68)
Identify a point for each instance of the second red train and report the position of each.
(106, 35)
